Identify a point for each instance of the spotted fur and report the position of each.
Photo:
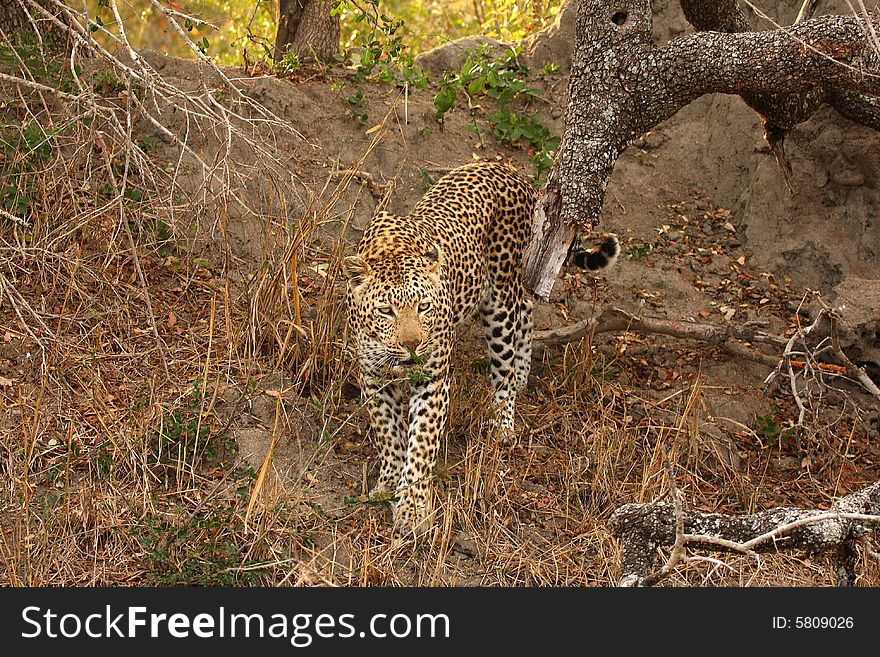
(413, 280)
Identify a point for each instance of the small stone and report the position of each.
(465, 546)
(848, 178)
(653, 140)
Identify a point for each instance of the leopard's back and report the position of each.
(480, 215)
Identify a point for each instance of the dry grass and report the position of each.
(129, 379)
(120, 466)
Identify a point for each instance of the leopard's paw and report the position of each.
(504, 434)
(411, 516)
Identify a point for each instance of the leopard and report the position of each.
(413, 280)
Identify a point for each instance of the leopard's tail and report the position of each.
(601, 258)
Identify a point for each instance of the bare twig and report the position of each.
(807, 366)
(8, 215)
(678, 552)
(852, 370)
(808, 10)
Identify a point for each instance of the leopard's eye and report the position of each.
(424, 306)
(385, 311)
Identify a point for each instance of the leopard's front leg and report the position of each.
(385, 403)
(428, 410)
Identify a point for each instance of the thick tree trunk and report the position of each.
(622, 85)
(306, 28)
(25, 22)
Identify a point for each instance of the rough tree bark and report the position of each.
(622, 85)
(26, 21)
(642, 528)
(306, 28)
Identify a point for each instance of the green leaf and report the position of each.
(477, 85)
(444, 100)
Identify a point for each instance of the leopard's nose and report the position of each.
(411, 344)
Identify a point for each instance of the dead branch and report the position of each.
(728, 337)
(642, 528)
(678, 553)
(799, 360)
(806, 368)
(852, 370)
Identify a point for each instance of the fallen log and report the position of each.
(642, 528)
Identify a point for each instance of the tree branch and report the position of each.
(622, 85)
(724, 336)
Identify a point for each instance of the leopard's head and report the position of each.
(396, 302)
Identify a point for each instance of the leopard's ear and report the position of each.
(434, 256)
(356, 268)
